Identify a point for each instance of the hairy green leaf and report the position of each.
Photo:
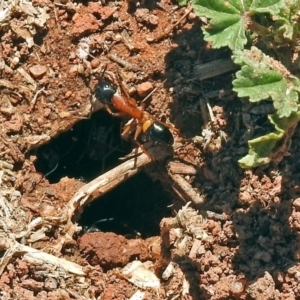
(262, 150)
(228, 19)
(261, 77)
(183, 2)
(288, 21)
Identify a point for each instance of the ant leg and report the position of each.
(93, 103)
(128, 128)
(136, 135)
(115, 114)
(122, 85)
(167, 125)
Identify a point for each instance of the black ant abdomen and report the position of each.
(158, 134)
(147, 129)
(104, 92)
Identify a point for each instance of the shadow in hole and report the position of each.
(39, 37)
(137, 206)
(265, 239)
(90, 148)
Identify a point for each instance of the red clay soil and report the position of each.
(242, 240)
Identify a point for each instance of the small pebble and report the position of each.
(73, 70)
(80, 69)
(64, 114)
(51, 284)
(68, 94)
(296, 203)
(95, 63)
(153, 20)
(144, 88)
(38, 71)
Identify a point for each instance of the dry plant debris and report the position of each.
(238, 239)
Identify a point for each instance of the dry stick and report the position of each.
(127, 40)
(182, 187)
(28, 78)
(212, 69)
(122, 62)
(203, 111)
(103, 184)
(181, 168)
(96, 188)
(153, 91)
(32, 255)
(206, 71)
(33, 101)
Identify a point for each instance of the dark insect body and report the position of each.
(146, 127)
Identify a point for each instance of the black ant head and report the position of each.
(104, 92)
(159, 134)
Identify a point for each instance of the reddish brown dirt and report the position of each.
(252, 250)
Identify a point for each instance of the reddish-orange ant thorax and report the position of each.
(147, 128)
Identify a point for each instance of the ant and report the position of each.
(147, 128)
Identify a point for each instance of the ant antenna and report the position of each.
(153, 91)
(103, 72)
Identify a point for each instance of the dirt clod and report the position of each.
(38, 71)
(263, 288)
(144, 88)
(84, 24)
(110, 250)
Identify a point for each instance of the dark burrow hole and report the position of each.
(134, 208)
(91, 148)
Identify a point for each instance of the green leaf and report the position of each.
(262, 77)
(228, 19)
(287, 19)
(183, 2)
(261, 149)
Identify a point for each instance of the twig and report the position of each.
(215, 216)
(96, 188)
(203, 111)
(34, 99)
(212, 69)
(122, 62)
(127, 40)
(154, 90)
(103, 184)
(183, 188)
(56, 18)
(211, 114)
(180, 168)
(13, 248)
(28, 78)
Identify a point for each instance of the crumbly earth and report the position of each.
(251, 218)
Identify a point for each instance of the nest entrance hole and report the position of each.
(91, 148)
(134, 208)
